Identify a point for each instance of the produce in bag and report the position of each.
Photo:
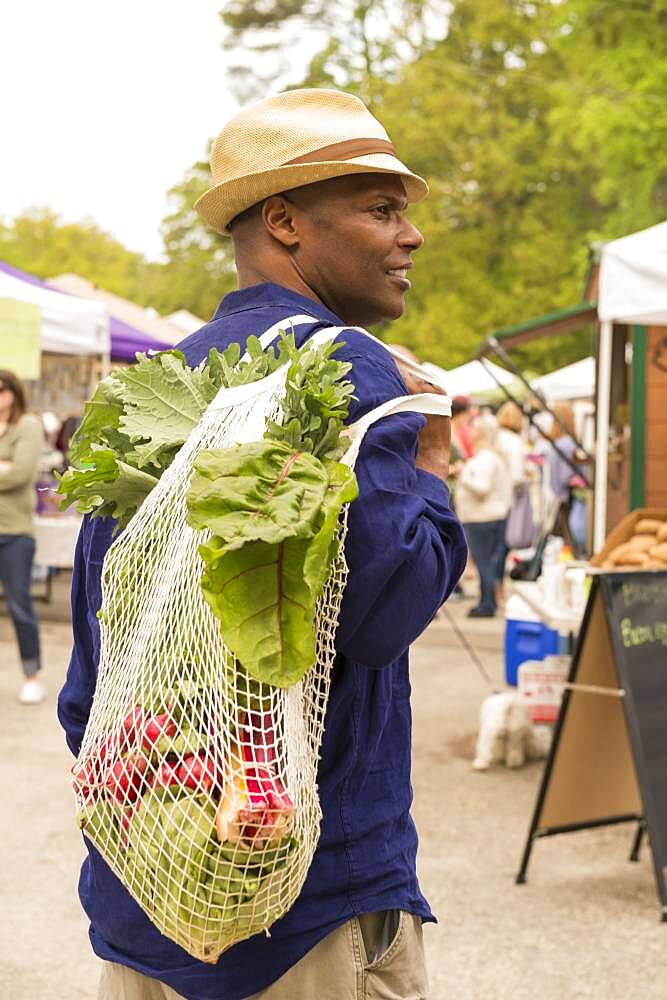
(197, 775)
(196, 779)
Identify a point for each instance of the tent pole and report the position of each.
(576, 468)
(105, 359)
(602, 435)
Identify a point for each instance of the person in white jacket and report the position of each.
(483, 497)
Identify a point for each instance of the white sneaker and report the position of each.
(32, 693)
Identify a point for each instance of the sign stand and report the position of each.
(608, 759)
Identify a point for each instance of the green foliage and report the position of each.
(357, 44)
(200, 263)
(261, 491)
(263, 576)
(316, 402)
(38, 242)
(107, 487)
(273, 508)
(137, 420)
(540, 127)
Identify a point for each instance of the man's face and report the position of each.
(355, 245)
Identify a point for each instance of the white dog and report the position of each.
(506, 734)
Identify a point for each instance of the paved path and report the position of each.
(585, 926)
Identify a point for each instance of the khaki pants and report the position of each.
(338, 968)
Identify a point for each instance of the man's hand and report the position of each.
(435, 436)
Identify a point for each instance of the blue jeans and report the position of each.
(486, 541)
(16, 555)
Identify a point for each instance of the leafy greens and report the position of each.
(137, 420)
(272, 506)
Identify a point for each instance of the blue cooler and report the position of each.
(526, 637)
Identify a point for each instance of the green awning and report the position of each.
(560, 321)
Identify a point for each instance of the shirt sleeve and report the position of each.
(76, 696)
(405, 548)
(29, 444)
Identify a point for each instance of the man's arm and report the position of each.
(405, 547)
(76, 696)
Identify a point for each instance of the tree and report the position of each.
(503, 220)
(357, 44)
(40, 243)
(200, 266)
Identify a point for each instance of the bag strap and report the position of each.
(330, 332)
(284, 325)
(423, 402)
(426, 402)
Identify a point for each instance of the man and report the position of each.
(309, 187)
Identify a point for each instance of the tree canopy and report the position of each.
(540, 125)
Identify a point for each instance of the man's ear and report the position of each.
(279, 216)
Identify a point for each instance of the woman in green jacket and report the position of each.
(21, 442)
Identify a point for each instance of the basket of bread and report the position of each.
(639, 542)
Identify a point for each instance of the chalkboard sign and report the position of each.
(608, 760)
(637, 615)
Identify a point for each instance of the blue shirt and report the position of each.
(406, 551)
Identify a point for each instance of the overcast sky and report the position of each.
(104, 105)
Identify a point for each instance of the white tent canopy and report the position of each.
(470, 378)
(633, 289)
(69, 325)
(575, 381)
(633, 278)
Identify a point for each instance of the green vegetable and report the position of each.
(137, 420)
(108, 487)
(263, 491)
(264, 594)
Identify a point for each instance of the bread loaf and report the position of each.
(648, 526)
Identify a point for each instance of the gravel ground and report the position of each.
(584, 926)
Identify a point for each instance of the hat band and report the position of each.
(346, 150)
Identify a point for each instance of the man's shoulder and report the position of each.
(355, 344)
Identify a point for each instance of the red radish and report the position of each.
(128, 813)
(258, 740)
(197, 772)
(85, 776)
(133, 723)
(157, 726)
(166, 776)
(126, 776)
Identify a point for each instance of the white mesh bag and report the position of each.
(196, 783)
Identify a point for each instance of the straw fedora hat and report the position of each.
(296, 138)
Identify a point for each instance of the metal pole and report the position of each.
(573, 465)
(602, 435)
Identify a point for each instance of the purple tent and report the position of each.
(126, 340)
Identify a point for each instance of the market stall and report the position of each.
(471, 379)
(78, 341)
(632, 309)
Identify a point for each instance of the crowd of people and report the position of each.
(494, 459)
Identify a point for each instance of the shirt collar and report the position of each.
(275, 296)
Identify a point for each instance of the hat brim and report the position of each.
(223, 202)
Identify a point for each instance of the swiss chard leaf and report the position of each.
(265, 607)
(260, 491)
(265, 595)
(342, 488)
